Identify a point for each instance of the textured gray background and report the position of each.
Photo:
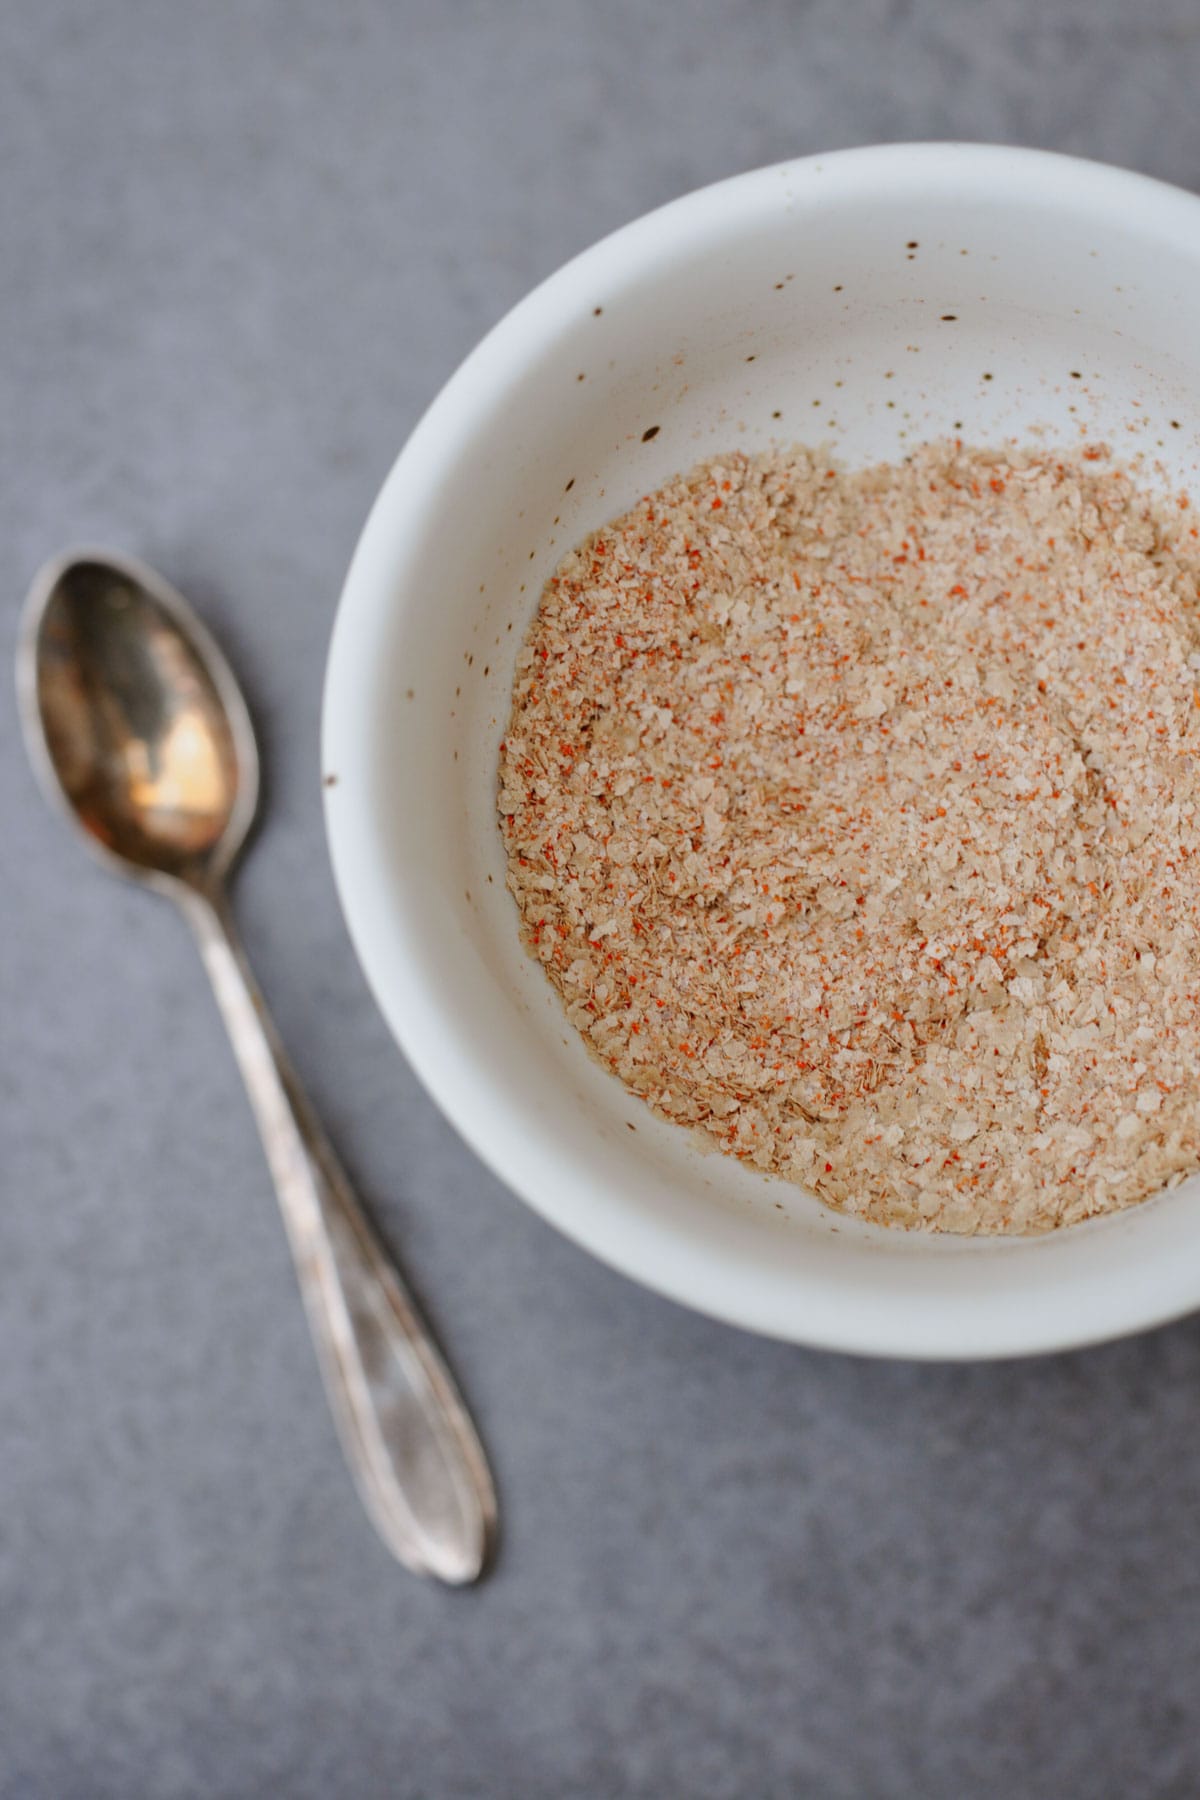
(241, 247)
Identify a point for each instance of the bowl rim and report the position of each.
(652, 1252)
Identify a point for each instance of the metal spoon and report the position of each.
(139, 732)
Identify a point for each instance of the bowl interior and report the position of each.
(865, 302)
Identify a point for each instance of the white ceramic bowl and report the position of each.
(803, 302)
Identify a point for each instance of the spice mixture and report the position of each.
(854, 818)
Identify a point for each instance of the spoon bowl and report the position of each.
(136, 720)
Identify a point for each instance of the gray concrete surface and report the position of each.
(241, 245)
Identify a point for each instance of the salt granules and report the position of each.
(854, 818)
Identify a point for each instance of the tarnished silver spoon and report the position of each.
(139, 732)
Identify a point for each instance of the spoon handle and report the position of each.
(411, 1447)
